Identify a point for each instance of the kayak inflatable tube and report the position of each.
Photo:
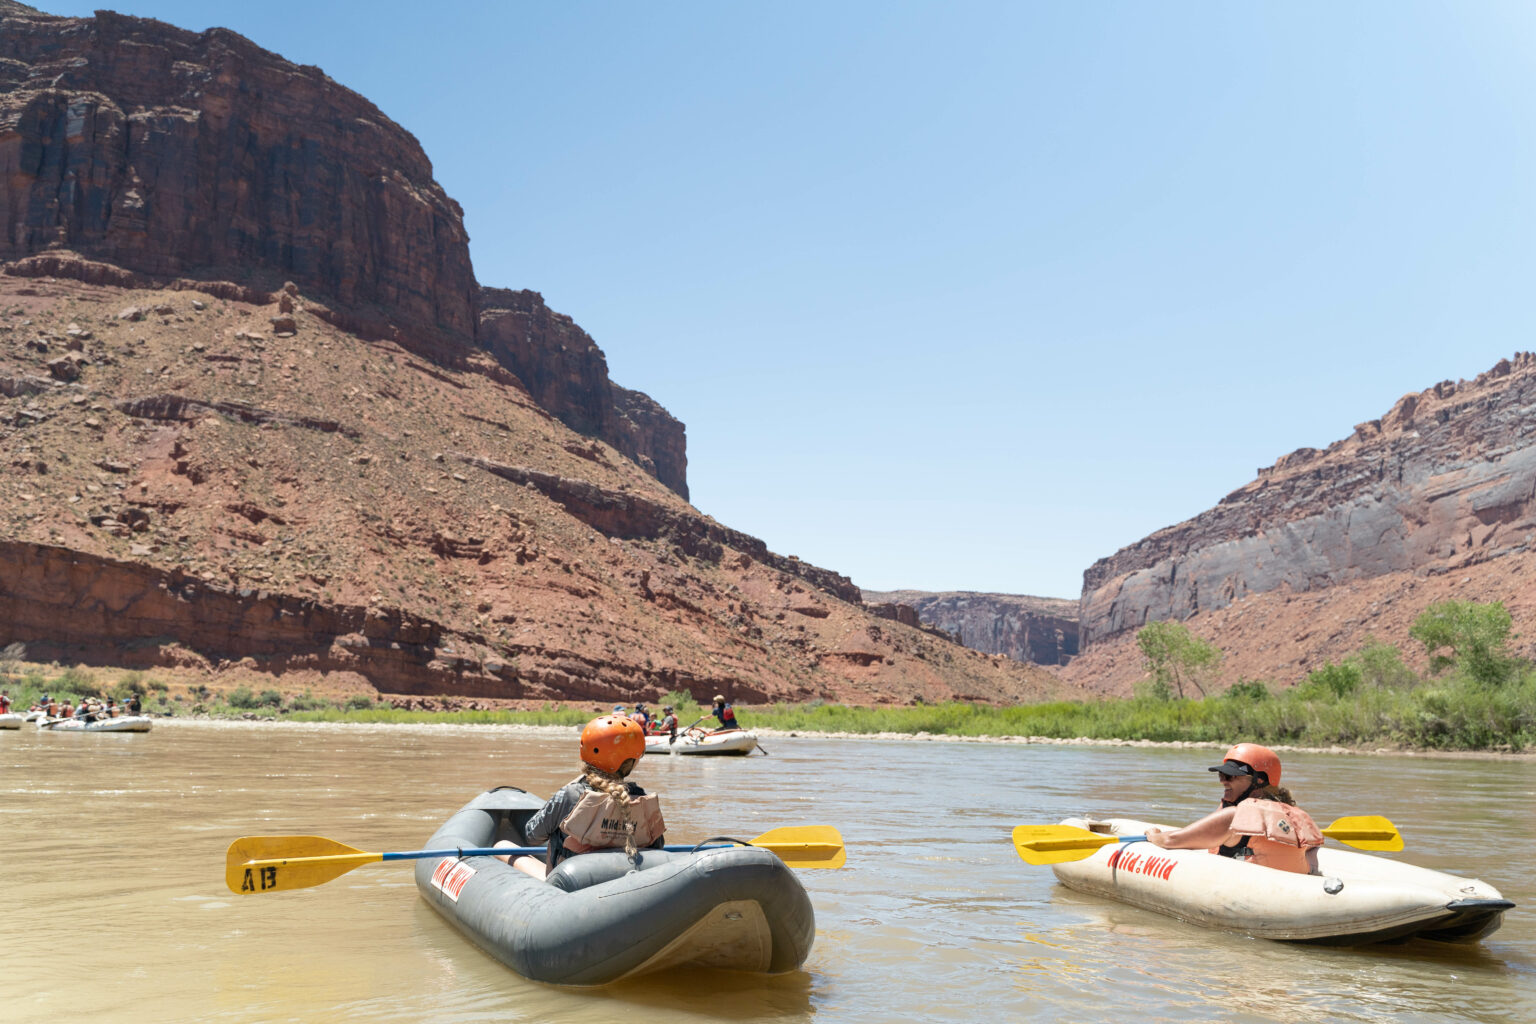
(738, 742)
(128, 723)
(12, 720)
(598, 918)
(1356, 899)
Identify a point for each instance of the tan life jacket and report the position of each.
(597, 822)
(1278, 834)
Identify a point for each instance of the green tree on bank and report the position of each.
(1175, 656)
(1475, 634)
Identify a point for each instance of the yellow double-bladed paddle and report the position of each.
(1057, 844)
(263, 864)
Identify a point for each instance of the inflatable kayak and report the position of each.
(1356, 899)
(737, 741)
(126, 723)
(598, 919)
(12, 720)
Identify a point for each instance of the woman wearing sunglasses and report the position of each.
(1258, 819)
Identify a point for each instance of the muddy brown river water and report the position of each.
(112, 852)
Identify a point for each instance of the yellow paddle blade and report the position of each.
(1367, 831)
(805, 846)
(1057, 844)
(261, 864)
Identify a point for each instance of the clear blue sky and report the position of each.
(966, 295)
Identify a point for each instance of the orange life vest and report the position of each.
(597, 822)
(1279, 835)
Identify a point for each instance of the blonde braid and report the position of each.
(613, 786)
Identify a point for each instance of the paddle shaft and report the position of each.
(1058, 844)
(460, 852)
(261, 864)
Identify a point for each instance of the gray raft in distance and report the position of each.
(595, 920)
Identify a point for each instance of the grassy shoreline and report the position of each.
(1450, 715)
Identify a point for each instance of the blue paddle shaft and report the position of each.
(517, 851)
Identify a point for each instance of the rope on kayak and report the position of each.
(719, 839)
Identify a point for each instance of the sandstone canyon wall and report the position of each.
(1039, 630)
(175, 153)
(1444, 483)
(136, 153)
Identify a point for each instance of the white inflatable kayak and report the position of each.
(12, 720)
(1358, 898)
(127, 723)
(737, 741)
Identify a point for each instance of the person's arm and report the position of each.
(548, 818)
(1215, 829)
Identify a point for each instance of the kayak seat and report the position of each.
(512, 825)
(588, 869)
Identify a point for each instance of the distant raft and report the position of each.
(12, 720)
(126, 723)
(1357, 898)
(596, 920)
(696, 741)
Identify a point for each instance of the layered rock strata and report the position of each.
(567, 374)
(1442, 482)
(137, 616)
(1040, 630)
(632, 517)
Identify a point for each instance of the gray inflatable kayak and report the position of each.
(598, 918)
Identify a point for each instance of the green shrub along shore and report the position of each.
(1476, 696)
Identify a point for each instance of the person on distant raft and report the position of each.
(597, 810)
(726, 714)
(5, 702)
(132, 705)
(641, 715)
(666, 724)
(1258, 819)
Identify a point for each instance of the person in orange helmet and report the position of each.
(598, 809)
(1258, 819)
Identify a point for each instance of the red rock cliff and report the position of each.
(567, 374)
(174, 153)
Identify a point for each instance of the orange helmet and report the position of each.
(609, 741)
(1262, 763)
